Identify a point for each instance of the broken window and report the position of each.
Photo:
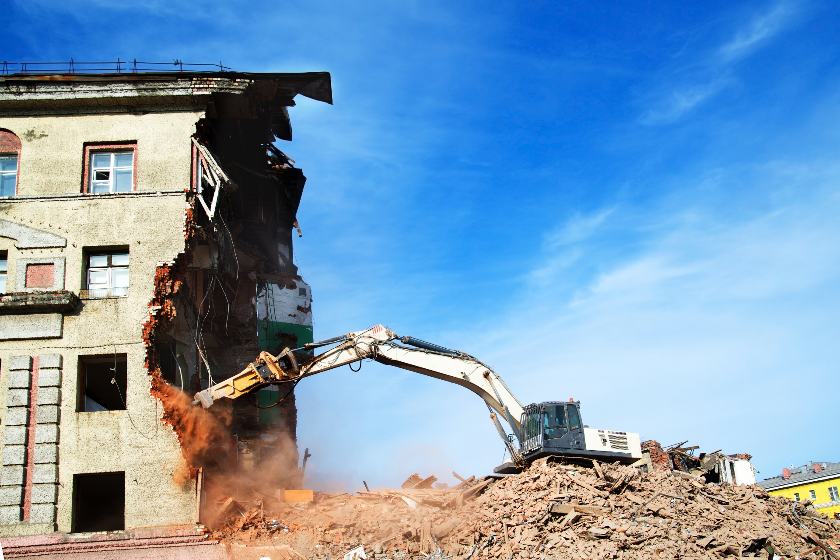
(173, 365)
(107, 274)
(102, 383)
(832, 493)
(110, 171)
(98, 502)
(4, 267)
(8, 174)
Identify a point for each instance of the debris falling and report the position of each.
(204, 434)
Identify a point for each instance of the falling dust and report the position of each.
(204, 434)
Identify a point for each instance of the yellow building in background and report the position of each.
(818, 483)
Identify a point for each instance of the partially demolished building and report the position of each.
(146, 225)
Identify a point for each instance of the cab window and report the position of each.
(554, 421)
(574, 418)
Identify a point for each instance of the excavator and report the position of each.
(546, 429)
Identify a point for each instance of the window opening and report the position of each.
(111, 172)
(98, 502)
(833, 494)
(4, 268)
(107, 274)
(812, 494)
(102, 383)
(8, 174)
(796, 496)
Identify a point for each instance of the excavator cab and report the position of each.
(552, 428)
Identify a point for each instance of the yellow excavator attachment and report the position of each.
(266, 369)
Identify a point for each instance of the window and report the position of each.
(796, 496)
(98, 502)
(812, 494)
(8, 174)
(574, 417)
(101, 383)
(832, 493)
(4, 267)
(109, 168)
(554, 421)
(532, 425)
(107, 274)
(9, 158)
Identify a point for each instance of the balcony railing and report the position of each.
(108, 67)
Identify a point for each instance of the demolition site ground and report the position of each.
(550, 510)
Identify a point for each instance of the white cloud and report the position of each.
(714, 74)
(759, 30)
(578, 228)
(678, 102)
(696, 332)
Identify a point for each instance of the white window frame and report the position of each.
(13, 173)
(812, 494)
(796, 496)
(112, 168)
(833, 494)
(107, 288)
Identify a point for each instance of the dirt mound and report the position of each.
(551, 510)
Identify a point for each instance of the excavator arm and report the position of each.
(384, 346)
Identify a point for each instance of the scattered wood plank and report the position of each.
(579, 508)
(811, 536)
(586, 485)
(473, 491)
(426, 482)
(570, 517)
(465, 483)
(411, 481)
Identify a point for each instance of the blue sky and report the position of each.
(634, 205)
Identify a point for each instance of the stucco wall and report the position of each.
(132, 440)
(52, 151)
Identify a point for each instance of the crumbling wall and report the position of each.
(203, 312)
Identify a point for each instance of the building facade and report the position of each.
(146, 225)
(818, 483)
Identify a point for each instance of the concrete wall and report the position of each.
(151, 226)
(52, 151)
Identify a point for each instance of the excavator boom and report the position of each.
(548, 428)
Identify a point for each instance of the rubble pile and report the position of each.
(550, 510)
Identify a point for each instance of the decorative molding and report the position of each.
(28, 237)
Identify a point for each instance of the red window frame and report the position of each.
(10, 145)
(92, 147)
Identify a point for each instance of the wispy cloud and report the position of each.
(578, 228)
(712, 74)
(758, 31)
(715, 307)
(678, 102)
